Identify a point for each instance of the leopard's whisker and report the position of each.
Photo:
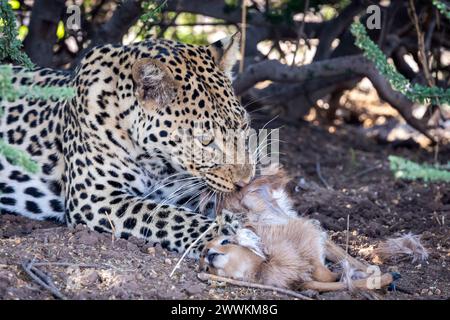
(255, 100)
(205, 200)
(170, 182)
(198, 194)
(188, 188)
(267, 123)
(265, 147)
(267, 143)
(171, 179)
(174, 194)
(267, 155)
(172, 176)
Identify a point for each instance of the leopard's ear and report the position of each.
(225, 52)
(154, 83)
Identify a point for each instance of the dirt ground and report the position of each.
(87, 265)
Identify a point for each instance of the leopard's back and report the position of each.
(34, 126)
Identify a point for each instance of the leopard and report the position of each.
(115, 157)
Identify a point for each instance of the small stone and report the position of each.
(193, 290)
(394, 269)
(137, 241)
(79, 227)
(168, 261)
(87, 239)
(437, 291)
(151, 250)
(424, 291)
(90, 278)
(121, 243)
(158, 248)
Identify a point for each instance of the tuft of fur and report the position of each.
(277, 247)
(349, 274)
(292, 246)
(153, 84)
(408, 245)
(247, 238)
(264, 200)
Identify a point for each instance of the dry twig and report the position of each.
(42, 279)
(319, 174)
(421, 43)
(206, 276)
(243, 35)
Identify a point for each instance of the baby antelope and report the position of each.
(278, 248)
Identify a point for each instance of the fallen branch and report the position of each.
(368, 170)
(206, 276)
(69, 264)
(42, 279)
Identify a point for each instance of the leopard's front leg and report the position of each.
(124, 215)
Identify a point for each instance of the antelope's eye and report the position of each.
(224, 242)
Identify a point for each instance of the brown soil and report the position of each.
(361, 187)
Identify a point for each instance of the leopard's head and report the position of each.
(190, 112)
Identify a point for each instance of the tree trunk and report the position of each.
(41, 37)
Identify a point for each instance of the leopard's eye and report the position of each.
(206, 140)
(224, 242)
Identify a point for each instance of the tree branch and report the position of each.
(298, 98)
(334, 28)
(355, 65)
(112, 31)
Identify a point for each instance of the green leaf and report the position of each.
(60, 30)
(18, 157)
(9, 44)
(409, 170)
(443, 8)
(416, 92)
(15, 5)
(11, 93)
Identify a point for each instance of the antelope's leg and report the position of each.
(322, 274)
(361, 284)
(336, 254)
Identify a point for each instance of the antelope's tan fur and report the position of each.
(276, 247)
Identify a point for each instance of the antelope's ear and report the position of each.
(225, 52)
(154, 83)
(247, 238)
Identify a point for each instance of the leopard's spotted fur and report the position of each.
(104, 154)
